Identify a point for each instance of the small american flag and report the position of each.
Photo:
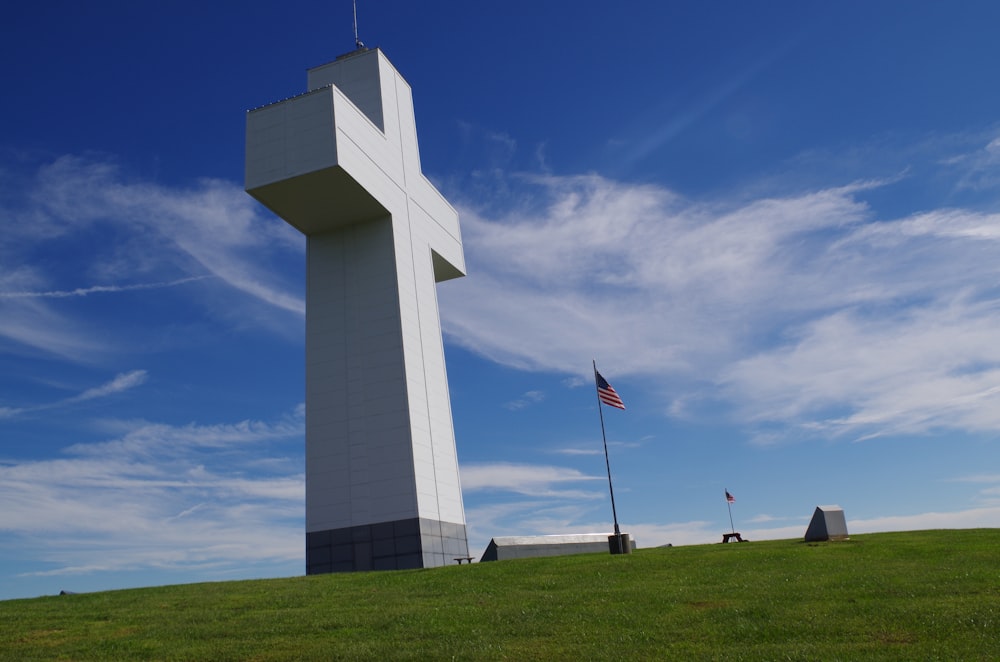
(730, 498)
(607, 393)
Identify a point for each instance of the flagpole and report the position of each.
(729, 504)
(607, 462)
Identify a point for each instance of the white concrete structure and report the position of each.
(503, 548)
(828, 523)
(341, 164)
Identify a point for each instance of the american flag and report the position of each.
(730, 498)
(607, 393)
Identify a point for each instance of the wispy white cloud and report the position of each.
(527, 399)
(96, 289)
(978, 170)
(805, 314)
(651, 132)
(526, 479)
(160, 498)
(211, 234)
(122, 382)
(43, 330)
(577, 451)
(635, 274)
(979, 478)
(142, 438)
(928, 367)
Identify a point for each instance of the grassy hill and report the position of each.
(929, 595)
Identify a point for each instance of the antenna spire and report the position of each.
(357, 42)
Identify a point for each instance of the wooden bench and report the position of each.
(726, 537)
(464, 559)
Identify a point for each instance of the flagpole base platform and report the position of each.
(619, 544)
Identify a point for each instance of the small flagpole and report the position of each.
(607, 462)
(729, 504)
(357, 41)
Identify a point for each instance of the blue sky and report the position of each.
(776, 227)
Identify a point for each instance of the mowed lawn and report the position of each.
(926, 595)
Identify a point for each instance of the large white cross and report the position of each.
(341, 164)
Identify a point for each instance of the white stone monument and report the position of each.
(828, 523)
(340, 163)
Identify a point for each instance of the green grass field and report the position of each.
(928, 595)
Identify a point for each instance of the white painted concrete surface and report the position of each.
(341, 164)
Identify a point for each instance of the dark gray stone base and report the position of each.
(399, 545)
